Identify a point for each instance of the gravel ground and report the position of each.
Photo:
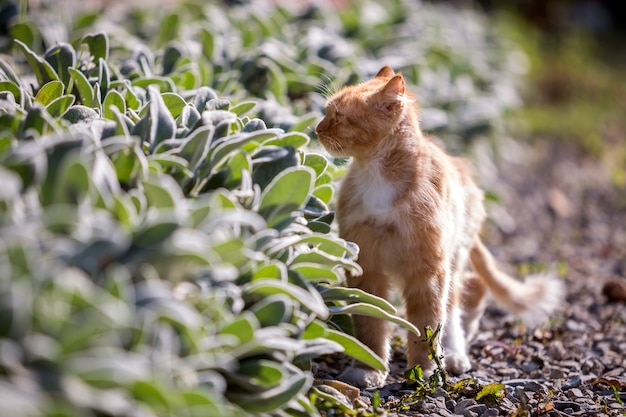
(559, 211)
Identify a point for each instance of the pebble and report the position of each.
(490, 412)
(462, 405)
(573, 382)
(575, 393)
(564, 405)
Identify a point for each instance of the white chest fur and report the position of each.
(374, 192)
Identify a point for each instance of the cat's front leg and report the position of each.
(454, 343)
(425, 297)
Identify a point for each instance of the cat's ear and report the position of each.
(385, 72)
(392, 94)
(395, 87)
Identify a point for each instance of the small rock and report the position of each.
(556, 373)
(573, 382)
(534, 386)
(451, 405)
(563, 405)
(440, 392)
(490, 412)
(462, 405)
(615, 290)
(575, 326)
(528, 367)
(477, 409)
(575, 393)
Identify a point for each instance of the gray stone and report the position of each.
(462, 405)
(563, 405)
(477, 409)
(490, 412)
(575, 393)
(573, 382)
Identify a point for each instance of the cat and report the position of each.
(416, 214)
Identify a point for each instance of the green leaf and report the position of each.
(243, 327)
(239, 163)
(25, 32)
(322, 258)
(316, 273)
(355, 295)
(285, 195)
(171, 55)
(220, 150)
(316, 161)
(98, 44)
(164, 84)
(49, 92)
(60, 105)
(170, 163)
(274, 398)
(163, 192)
(61, 57)
(493, 391)
(309, 299)
(43, 71)
(243, 107)
(12, 88)
(203, 95)
(113, 98)
(324, 192)
(269, 161)
(151, 393)
(274, 270)
(253, 125)
(161, 124)
(355, 349)
(174, 102)
(259, 374)
(104, 77)
(196, 147)
(295, 140)
(373, 311)
(306, 125)
(85, 90)
(314, 330)
(273, 310)
(208, 43)
(80, 113)
(168, 29)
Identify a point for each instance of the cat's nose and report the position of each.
(321, 126)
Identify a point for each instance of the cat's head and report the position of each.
(358, 117)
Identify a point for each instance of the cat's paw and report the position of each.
(363, 378)
(457, 363)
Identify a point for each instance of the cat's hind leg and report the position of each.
(474, 303)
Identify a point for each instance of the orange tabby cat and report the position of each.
(416, 214)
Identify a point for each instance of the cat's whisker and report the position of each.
(328, 88)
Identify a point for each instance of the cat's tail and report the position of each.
(534, 300)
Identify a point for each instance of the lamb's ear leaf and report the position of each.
(98, 44)
(357, 350)
(62, 57)
(85, 90)
(42, 69)
(373, 311)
